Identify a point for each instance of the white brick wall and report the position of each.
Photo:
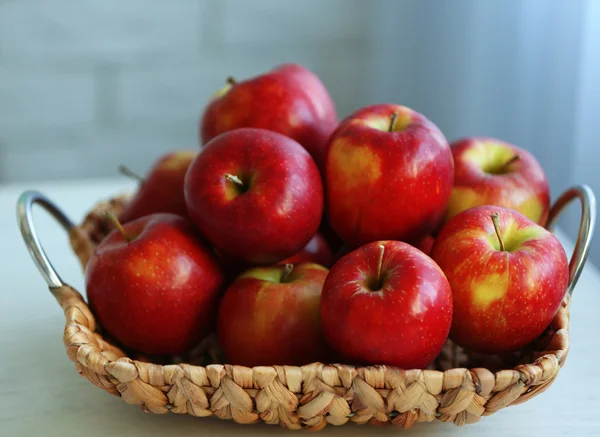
(270, 22)
(97, 29)
(29, 100)
(91, 151)
(88, 84)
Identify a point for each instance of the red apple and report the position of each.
(426, 244)
(387, 303)
(489, 171)
(290, 100)
(270, 316)
(388, 175)
(162, 189)
(154, 286)
(508, 279)
(316, 251)
(256, 195)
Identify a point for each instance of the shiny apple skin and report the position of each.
(281, 209)
(290, 100)
(522, 187)
(159, 293)
(264, 322)
(503, 300)
(317, 251)
(404, 324)
(162, 189)
(384, 185)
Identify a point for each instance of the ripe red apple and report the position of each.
(489, 171)
(388, 175)
(508, 278)
(316, 251)
(256, 195)
(270, 315)
(289, 99)
(387, 303)
(162, 189)
(426, 244)
(154, 286)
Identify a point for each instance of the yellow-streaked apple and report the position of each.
(508, 277)
(270, 315)
(488, 171)
(388, 175)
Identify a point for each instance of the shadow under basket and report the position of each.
(458, 387)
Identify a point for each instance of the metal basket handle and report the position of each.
(25, 220)
(586, 228)
(576, 263)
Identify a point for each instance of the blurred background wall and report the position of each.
(88, 84)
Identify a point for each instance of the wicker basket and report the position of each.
(457, 388)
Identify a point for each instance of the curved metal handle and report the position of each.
(25, 220)
(586, 228)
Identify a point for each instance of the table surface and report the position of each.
(42, 394)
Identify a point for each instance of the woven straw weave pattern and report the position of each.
(300, 397)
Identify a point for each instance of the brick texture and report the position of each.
(86, 85)
(42, 99)
(90, 29)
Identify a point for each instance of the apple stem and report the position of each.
(126, 171)
(231, 81)
(113, 218)
(497, 229)
(510, 161)
(380, 262)
(393, 122)
(287, 271)
(234, 179)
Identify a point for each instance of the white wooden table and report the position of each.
(41, 394)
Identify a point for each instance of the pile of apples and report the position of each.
(299, 239)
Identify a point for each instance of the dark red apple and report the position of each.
(270, 316)
(489, 171)
(388, 175)
(508, 278)
(289, 99)
(161, 190)
(154, 286)
(316, 251)
(256, 195)
(387, 303)
(426, 244)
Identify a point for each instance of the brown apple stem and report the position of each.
(113, 218)
(380, 263)
(126, 171)
(510, 161)
(393, 122)
(231, 81)
(497, 229)
(234, 179)
(287, 271)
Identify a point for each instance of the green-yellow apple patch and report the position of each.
(489, 290)
(356, 165)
